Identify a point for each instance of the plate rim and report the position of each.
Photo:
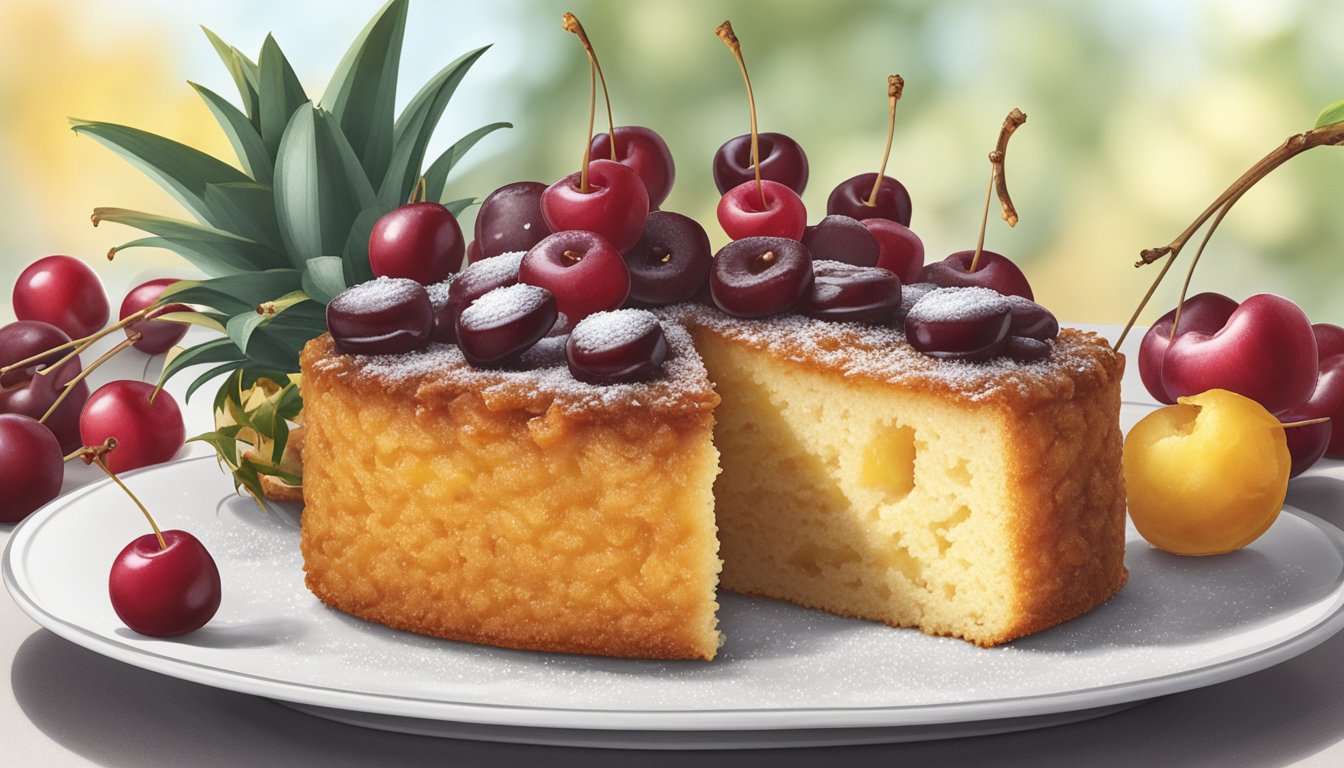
(699, 719)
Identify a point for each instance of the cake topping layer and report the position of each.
(502, 304)
(881, 354)
(606, 330)
(377, 294)
(953, 304)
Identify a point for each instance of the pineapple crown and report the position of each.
(290, 230)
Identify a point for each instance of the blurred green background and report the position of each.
(1140, 113)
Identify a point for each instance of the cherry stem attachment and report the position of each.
(94, 455)
(572, 24)
(729, 38)
(1011, 123)
(1324, 136)
(81, 343)
(1304, 422)
(895, 87)
(84, 374)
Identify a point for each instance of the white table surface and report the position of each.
(65, 706)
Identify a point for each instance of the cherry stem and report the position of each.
(94, 455)
(984, 221)
(1304, 422)
(84, 374)
(571, 23)
(83, 343)
(1190, 273)
(1326, 135)
(1011, 123)
(419, 192)
(725, 33)
(895, 86)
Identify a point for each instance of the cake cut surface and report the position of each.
(529, 510)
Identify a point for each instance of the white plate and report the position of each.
(786, 677)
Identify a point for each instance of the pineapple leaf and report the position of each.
(437, 175)
(220, 350)
(247, 209)
(208, 376)
(235, 294)
(416, 125)
(202, 319)
(355, 255)
(324, 277)
(241, 326)
(247, 143)
(456, 207)
(320, 187)
(186, 173)
(281, 94)
(244, 73)
(362, 92)
(213, 251)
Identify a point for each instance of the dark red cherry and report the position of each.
(850, 198)
(742, 214)
(478, 279)
(510, 220)
(147, 424)
(959, 323)
(31, 467)
(1308, 443)
(1329, 339)
(1031, 320)
(782, 160)
(1203, 312)
(847, 293)
(22, 339)
(418, 241)
(911, 293)
(618, 347)
(614, 206)
(34, 397)
(386, 316)
(62, 291)
(840, 238)
(164, 591)
(582, 269)
(1026, 349)
(994, 271)
(899, 249)
(760, 276)
(646, 153)
(503, 324)
(156, 336)
(670, 263)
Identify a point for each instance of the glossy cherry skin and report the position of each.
(510, 220)
(670, 263)
(22, 339)
(614, 206)
(386, 316)
(34, 397)
(850, 198)
(31, 467)
(840, 238)
(1307, 444)
(844, 292)
(503, 324)
(469, 285)
(156, 336)
(147, 432)
(994, 271)
(63, 291)
(1329, 339)
(418, 241)
(899, 249)
(742, 215)
(584, 271)
(1026, 349)
(619, 347)
(1203, 312)
(1031, 320)
(760, 276)
(164, 592)
(647, 155)
(946, 324)
(1266, 351)
(782, 160)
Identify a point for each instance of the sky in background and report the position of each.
(1140, 113)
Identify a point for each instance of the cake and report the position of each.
(827, 464)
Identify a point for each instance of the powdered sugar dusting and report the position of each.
(609, 330)
(376, 295)
(503, 304)
(910, 294)
(438, 292)
(953, 304)
(496, 267)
